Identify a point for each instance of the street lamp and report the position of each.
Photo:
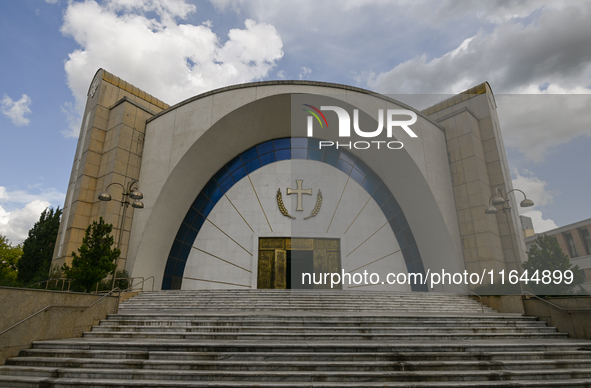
(498, 199)
(130, 192)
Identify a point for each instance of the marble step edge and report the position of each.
(38, 382)
(262, 365)
(314, 336)
(399, 356)
(314, 331)
(514, 375)
(316, 326)
(316, 346)
(337, 317)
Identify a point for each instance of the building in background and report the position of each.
(575, 241)
(527, 226)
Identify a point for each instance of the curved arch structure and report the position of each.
(187, 144)
(274, 151)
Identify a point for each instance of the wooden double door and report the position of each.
(282, 261)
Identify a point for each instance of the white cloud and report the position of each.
(541, 225)
(170, 60)
(550, 55)
(514, 58)
(535, 124)
(535, 189)
(305, 72)
(22, 196)
(52, 1)
(15, 225)
(20, 209)
(16, 110)
(73, 119)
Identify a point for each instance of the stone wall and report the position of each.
(570, 315)
(56, 323)
(573, 316)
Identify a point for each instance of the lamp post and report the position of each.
(498, 199)
(128, 192)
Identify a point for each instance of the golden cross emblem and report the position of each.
(299, 191)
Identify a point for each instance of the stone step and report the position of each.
(298, 376)
(306, 356)
(317, 324)
(301, 292)
(301, 308)
(324, 336)
(296, 339)
(304, 307)
(366, 318)
(325, 365)
(292, 302)
(43, 382)
(314, 330)
(316, 298)
(468, 346)
(355, 302)
(288, 300)
(319, 297)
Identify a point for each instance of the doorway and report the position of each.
(282, 261)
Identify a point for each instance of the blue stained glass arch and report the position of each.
(275, 151)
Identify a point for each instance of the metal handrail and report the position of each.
(473, 293)
(58, 306)
(56, 280)
(130, 288)
(142, 282)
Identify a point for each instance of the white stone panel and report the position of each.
(225, 258)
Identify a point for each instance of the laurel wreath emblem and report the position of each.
(282, 208)
(316, 209)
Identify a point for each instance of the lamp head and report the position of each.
(138, 205)
(136, 194)
(104, 196)
(491, 210)
(498, 200)
(527, 203)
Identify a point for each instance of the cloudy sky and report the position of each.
(535, 54)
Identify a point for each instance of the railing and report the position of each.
(142, 282)
(46, 308)
(475, 294)
(130, 287)
(471, 292)
(47, 282)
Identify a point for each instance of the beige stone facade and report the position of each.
(109, 150)
(479, 166)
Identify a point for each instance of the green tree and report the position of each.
(9, 257)
(97, 256)
(545, 254)
(38, 247)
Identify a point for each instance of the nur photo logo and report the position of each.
(393, 118)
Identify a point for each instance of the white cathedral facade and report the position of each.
(256, 185)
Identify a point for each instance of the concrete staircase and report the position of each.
(295, 339)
